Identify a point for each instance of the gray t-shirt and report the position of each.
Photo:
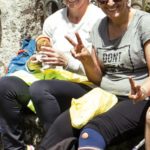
(123, 57)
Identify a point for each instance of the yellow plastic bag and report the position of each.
(95, 102)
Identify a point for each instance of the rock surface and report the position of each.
(17, 18)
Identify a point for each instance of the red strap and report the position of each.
(21, 51)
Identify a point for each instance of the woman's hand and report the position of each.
(137, 93)
(53, 57)
(79, 51)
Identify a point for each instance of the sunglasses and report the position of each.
(101, 2)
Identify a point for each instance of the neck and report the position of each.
(75, 15)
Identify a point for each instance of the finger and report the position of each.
(78, 38)
(73, 53)
(48, 52)
(132, 83)
(70, 41)
(49, 60)
(131, 96)
(46, 48)
(139, 92)
(53, 61)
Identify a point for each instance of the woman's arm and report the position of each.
(90, 62)
(93, 68)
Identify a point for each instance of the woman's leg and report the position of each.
(13, 95)
(51, 97)
(59, 130)
(147, 130)
(122, 120)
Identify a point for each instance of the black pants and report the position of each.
(123, 120)
(52, 97)
(14, 94)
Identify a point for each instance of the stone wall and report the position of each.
(17, 18)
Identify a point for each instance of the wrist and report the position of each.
(144, 94)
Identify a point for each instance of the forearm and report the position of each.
(93, 72)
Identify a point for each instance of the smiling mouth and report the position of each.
(72, 1)
(112, 9)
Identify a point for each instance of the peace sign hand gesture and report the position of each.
(79, 51)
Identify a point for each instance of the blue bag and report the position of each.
(18, 62)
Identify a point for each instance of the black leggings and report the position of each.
(52, 97)
(59, 130)
(123, 120)
(14, 94)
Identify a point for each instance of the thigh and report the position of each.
(123, 118)
(62, 91)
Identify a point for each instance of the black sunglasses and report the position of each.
(106, 1)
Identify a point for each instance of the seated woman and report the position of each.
(14, 92)
(122, 43)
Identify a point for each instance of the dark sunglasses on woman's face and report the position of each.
(106, 1)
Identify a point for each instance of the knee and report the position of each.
(8, 85)
(36, 90)
(5, 84)
(91, 139)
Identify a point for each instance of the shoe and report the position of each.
(30, 147)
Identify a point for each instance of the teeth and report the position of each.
(112, 9)
(71, 1)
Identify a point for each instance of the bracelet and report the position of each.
(144, 94)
